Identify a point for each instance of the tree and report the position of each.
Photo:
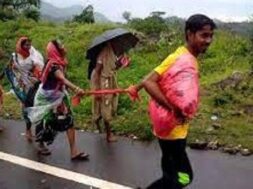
(127, 16)
(10, 9)
(87, 16)
(32, 13)
(19, 5)
(7, 14)
(152, 25)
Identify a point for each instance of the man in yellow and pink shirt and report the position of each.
(176, 167)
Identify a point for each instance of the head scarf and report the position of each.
(23, 52)
(53, 57)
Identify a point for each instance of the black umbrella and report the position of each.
(122, 38)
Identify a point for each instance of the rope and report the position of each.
(76, 100)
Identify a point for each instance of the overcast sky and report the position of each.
(226, 10)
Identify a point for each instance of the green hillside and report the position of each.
(223, 95)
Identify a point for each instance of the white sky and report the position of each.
(226, 10)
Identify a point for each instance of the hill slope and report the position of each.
(56, 14)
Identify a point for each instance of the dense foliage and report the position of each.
(87, 15)
(12, 9)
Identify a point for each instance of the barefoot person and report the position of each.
(104, 77)
(107, 54)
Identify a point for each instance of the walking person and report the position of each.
(174, 86)
(23, 73)
(107, 55)
(104, 77)
(52, 110)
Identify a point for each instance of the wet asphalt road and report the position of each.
(13, 176)
(127, 162)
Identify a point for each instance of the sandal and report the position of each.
(80, 157)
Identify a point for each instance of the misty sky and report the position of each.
(226, 10)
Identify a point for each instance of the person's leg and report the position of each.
(74, 153)
(28, 131)
(109, 136)
(96, 123)
(177, 171)
(72, 141)
(113, 109)
(29, 103)
(42, 149)
(167, 166)
(182, 164)
(96, 115)
(107, 106)
(107, 115)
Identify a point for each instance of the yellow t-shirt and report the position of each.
(180, 131)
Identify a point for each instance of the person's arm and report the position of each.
(133, 91)
(150, 84)
(123, 61)
(11, 64)
(139, 86)
(37, 71)
(60, 76)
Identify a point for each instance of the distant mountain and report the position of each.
(52, 13)
(100, 18)
(56, 14)
(242, 28)
(174, 20)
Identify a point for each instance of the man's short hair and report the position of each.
(197, 21)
